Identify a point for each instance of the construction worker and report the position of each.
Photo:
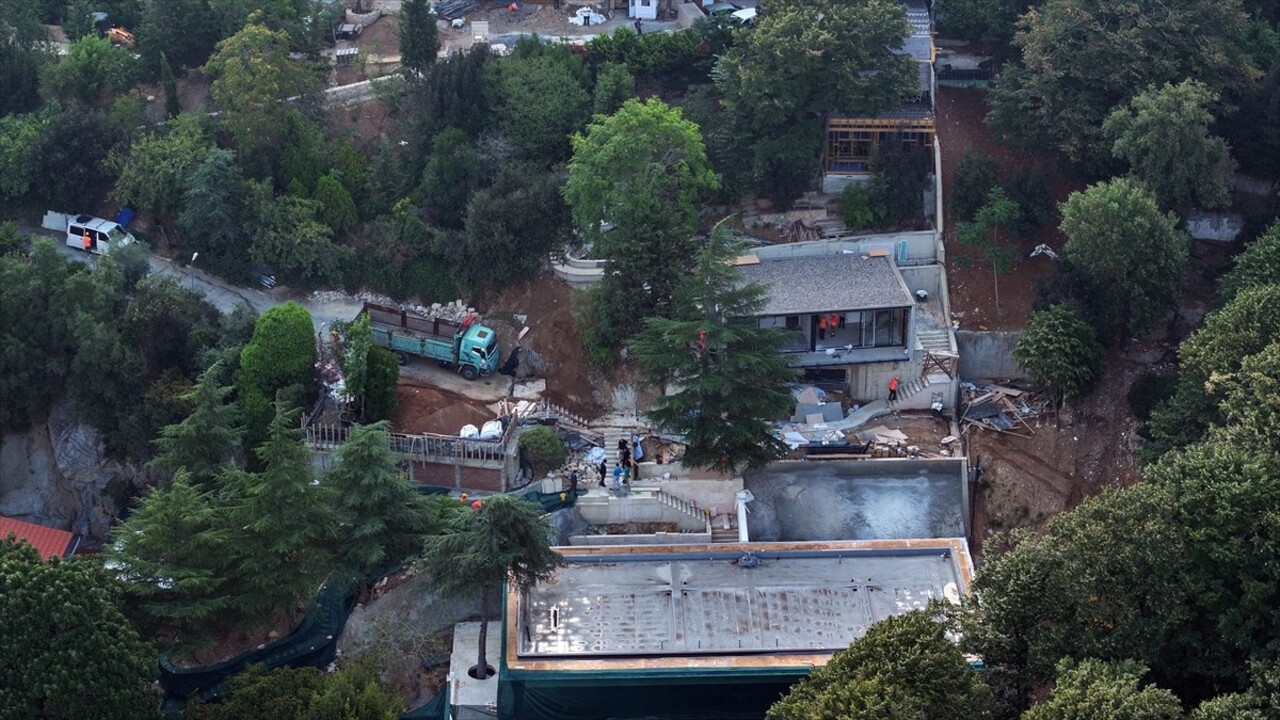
(893, 389)
(833, 322)
(822, 327)
(88, 244)
(462, 498)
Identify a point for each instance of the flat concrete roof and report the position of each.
(856, 500)
(828, 283)
(647, 607)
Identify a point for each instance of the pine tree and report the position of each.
(733, 379)
(282, 522)
(505, 539)
(419, 38)
(382, 519)
(202, 443)
(169, 554)
(172, 106)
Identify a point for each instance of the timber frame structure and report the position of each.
(851, 142)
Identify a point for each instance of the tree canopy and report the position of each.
(66, 651)
(1060, 351)
(1081, 58)
(1163, 133)
(734, 383)
(1096, 690)
(1117, 234)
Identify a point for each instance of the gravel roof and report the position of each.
(828, 283)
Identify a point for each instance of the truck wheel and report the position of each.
(402, 358)
(469, 372)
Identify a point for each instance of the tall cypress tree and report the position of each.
(202, 443)
(382, 519)
(419, 38)
(734, 381)
(282, 523)
(172, 107)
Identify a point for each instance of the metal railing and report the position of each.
(427, 447)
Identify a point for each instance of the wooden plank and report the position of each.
(1011, 392)
(751, 259)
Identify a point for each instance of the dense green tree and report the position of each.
(280, 357)
(506, 539)
(452, 94)
(819, 57)
(1082, 58)
(183, 31)
(252, 72)
(1260, 701)
(1060, 351)
(306, 154)
(1251, 399)
(643, 169)
(1108, 580)
(1257, 265)
(382, 520)
(783, 162)
(90, 70)
(614, 86)
(993, 222)
(171, 556)
(419, 38)
(66, 161)
(975, 176)
(156, 165)
(352, 692)
(453, 172)
(1096, 690)
(1163, 133)
(539, 101)
(380, 393)
(513, 225)
(201, 445)
(37, 339)
(337, 209)
(904, 667)
(66, 651)
(991, 21)
(1118, 235)
(284, 525)
(18, 133)
(289, 236)
(733, 381)
(23, 52)
(1027, 188)
(172, 104)
(212, 212)
(544, 450)
(901, 174)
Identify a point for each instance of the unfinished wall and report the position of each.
(986, 355)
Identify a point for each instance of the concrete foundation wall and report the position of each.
(987, 356)
(921, 246)
(689, 538)
(924, 277)
(871, 382)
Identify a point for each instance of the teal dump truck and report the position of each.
(467, 346)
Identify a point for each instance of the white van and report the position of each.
(95, 235)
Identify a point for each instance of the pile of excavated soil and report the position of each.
(425, 409)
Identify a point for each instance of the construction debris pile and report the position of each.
(455, 311)
(1001, 408)
(821, 429)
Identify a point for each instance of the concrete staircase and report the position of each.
(720, 534)
(934, 341)
(686, 508)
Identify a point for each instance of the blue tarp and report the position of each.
(125, 216)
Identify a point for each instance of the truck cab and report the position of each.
(479, 346)
(95, 235)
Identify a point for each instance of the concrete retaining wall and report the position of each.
(987, 355)
(921, 246)
(662, 538)
(634, 508)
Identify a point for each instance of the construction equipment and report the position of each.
(467, 346)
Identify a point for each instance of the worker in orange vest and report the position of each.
(833, 322)
(88, 244)
(893, 389)
(822, 327)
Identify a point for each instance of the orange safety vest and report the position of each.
(88, 244)
(822, 322)
(833, 321)
(893, 384)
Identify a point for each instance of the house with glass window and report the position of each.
(857, 313)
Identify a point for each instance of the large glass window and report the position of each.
(890, 326)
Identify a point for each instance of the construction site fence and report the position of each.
(425, 447)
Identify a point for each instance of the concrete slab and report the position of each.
(714, 603)
(864, 500)
(466, 690)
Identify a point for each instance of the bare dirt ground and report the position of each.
(973, 287)
(547, 303)
(422, 408)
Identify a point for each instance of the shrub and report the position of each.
(1027, 188)
(543, 449)
(1148, 391)
(859, 210)
(975, 176)
(380, 391)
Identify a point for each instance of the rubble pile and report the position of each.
(455, 311)
(1001, 408)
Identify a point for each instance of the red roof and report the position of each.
(47, 541)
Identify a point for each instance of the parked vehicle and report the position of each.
(88, 233)
(467, 346)
(720, 8)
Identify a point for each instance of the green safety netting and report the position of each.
(312, 644)
(437, 708)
